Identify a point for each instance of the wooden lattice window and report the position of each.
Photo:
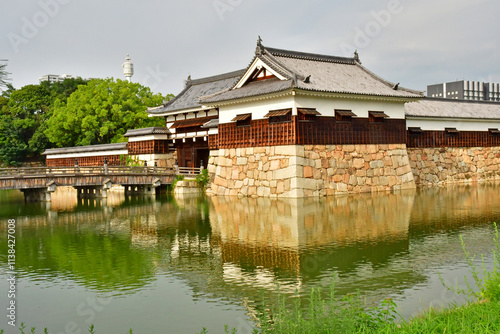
(416, 131)
(377, 116)
(243, 120)
(307, 114)
(279, 116)
(344, 115)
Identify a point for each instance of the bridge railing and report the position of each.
(189, 170)
(98, 170)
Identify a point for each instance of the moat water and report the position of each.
(175, 265)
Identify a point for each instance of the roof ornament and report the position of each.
(307, 79)
(396, 86)
(260, 48)
(356, 56)
(188, 80)
(294, 80)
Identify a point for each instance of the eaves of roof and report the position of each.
(88, 148)
(193, 102)
(146, 131)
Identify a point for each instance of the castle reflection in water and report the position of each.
(236, 248)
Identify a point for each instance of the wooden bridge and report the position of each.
(38, 183)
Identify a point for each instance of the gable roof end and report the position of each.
(310, 72)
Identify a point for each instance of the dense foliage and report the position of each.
(70, 113)
(3, 75)
(23, 118)
(101, 112)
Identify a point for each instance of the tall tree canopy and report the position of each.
(21, 121)
(23, 118)
(101, 112)
(3, 75)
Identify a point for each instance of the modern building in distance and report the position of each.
(465, 90)
(55, 78)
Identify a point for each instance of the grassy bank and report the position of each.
(481, 314)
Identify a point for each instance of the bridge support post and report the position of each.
(39, 194)
(91, 192)
(100, 191)
(142, 189)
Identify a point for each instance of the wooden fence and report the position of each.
(458, 139)
(322, 131)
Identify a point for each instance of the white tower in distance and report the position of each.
(128, 69)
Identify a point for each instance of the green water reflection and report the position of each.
(235, 251)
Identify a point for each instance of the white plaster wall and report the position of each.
(257, 108)
(148, 137)
(151, 158)
(462, 125)
(87, 154)
(327, 106)
(190, 114)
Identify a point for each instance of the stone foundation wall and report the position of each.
(162, 160)
(309, 170)
(187, 187)
(439, 166)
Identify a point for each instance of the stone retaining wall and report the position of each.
(162, 160)
(439, 166)
(187, 187)
(309, 170)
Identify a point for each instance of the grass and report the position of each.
(481, 314)
(481, 317)
(23, 330)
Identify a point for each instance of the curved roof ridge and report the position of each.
(171, 100)
(310, 56)
(282, 68)
(217, 77)
(190, 84)
(207, 97)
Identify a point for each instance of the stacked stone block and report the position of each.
(309, 170)
(440, 166)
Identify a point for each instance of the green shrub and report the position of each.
(203, 179)
(177, 179)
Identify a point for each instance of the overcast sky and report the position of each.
(414, 42)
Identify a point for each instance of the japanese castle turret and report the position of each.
(297, 124)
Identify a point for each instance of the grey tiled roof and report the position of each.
(252, 89)
(146, 131)
(444, 108)
(89, 148)
(213, 123)
(189, 97)
(325, 74)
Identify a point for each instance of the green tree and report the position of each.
(63, 89)
(26, 110)
(12, 149)
(23, 118)
(3, 75)
(101, 112)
